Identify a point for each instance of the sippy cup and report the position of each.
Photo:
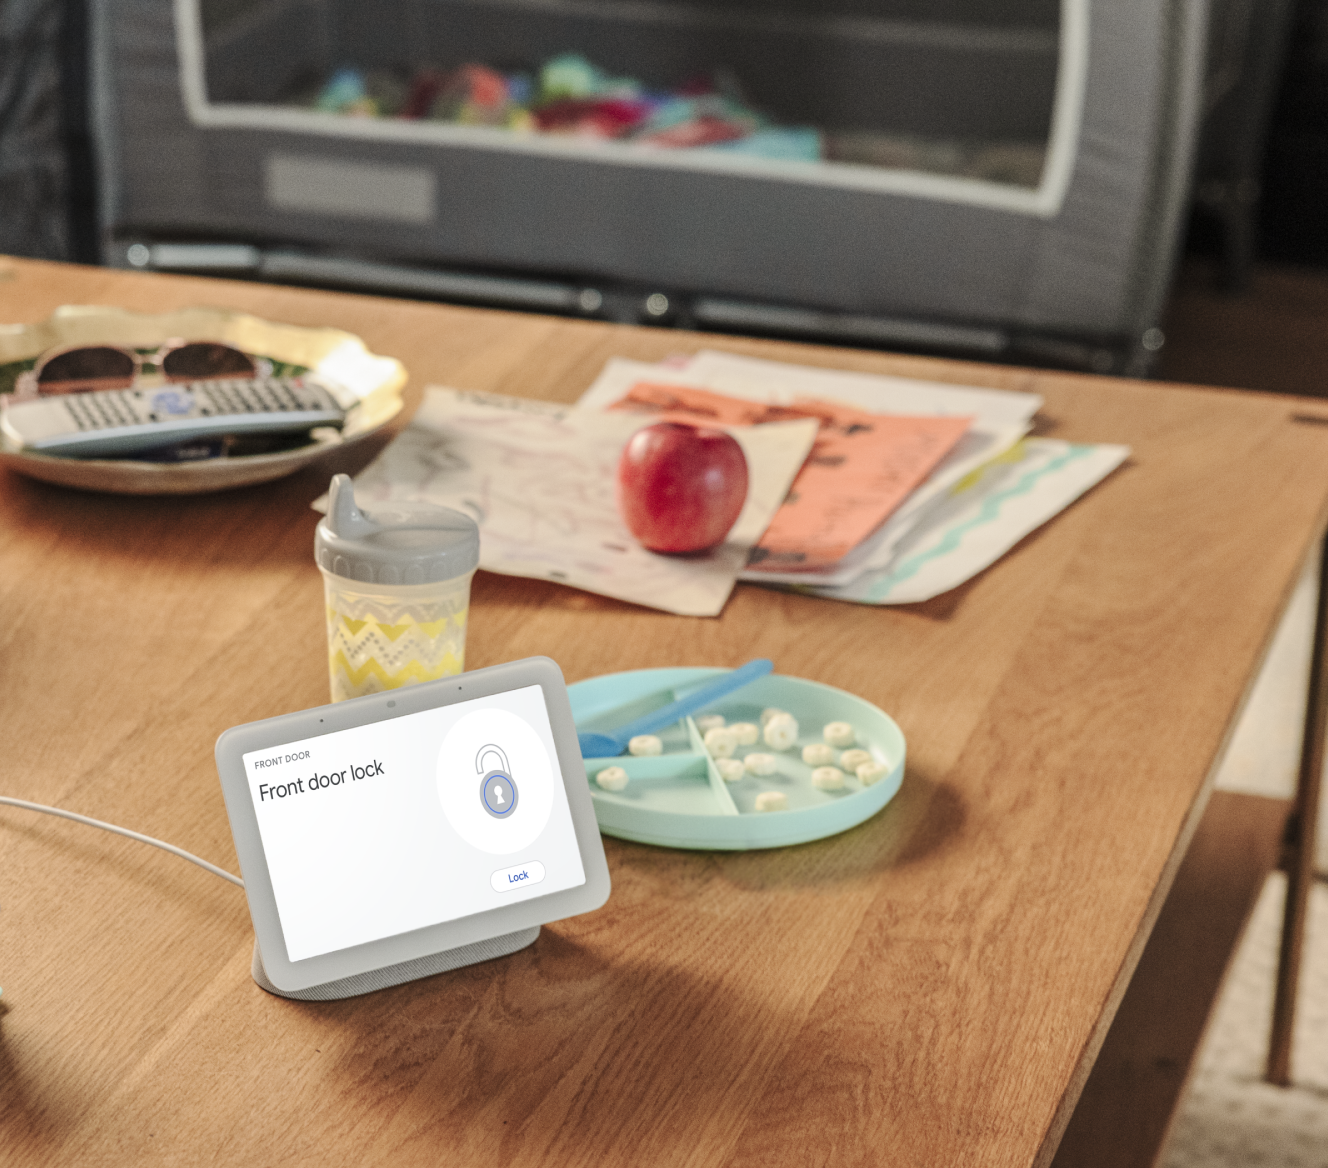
(397, 584)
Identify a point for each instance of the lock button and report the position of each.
(510, 878)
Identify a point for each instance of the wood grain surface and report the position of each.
(928, 988)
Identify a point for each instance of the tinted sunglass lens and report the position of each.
(93, 367)
(203, 359)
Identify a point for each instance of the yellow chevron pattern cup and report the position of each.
(380, 637)
(397, 587)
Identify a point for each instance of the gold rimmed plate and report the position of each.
(331, 353)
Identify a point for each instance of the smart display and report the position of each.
(383, 829)
(391, 827)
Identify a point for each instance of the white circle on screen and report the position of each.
(460, 780)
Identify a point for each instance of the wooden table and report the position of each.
(929, 988)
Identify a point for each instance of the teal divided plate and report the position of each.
(677, 799)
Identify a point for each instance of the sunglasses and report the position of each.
(87, 368)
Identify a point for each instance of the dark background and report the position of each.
(1294, 209)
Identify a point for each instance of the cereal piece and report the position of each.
(612, 778)
(721, 742)
(850, 760)
(870, 773)
(770, 712)
(828, 778)
(644, 744)
(839, 734)
(771, 801)
(746, 733)
(818, 754)
(709, 722)
(781, 732)
(760, 764)
(731, 769)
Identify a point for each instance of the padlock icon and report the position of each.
(498, 792)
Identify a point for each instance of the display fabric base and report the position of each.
(392, 975)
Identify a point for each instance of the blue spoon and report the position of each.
(613, 744)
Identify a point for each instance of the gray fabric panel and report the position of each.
(33, 213)
(160, 159)
(1172, 174)
(684, 231)
(738, 236)
(692, 232)
(393, 975)
(1085, 271)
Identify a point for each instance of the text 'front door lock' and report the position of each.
(498, 792)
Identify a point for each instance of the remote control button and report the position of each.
(173, 401)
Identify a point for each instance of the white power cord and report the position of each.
(124, 831)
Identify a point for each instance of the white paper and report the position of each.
(539, 480)
(876, 392)
(981, 518)
(621, 373)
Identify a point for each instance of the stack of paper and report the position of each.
(873, 489)
(993, 487)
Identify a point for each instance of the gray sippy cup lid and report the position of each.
(403, 543)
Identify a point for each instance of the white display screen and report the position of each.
(394, 826)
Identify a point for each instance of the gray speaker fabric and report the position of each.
(393, 975)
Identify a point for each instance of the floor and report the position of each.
(1274, 338)
(1229, 1116)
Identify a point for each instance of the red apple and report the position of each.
(681, 488)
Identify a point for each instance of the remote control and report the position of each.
(121, 422)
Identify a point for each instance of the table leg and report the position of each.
(1302, 834)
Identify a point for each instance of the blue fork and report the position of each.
(596, 745)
